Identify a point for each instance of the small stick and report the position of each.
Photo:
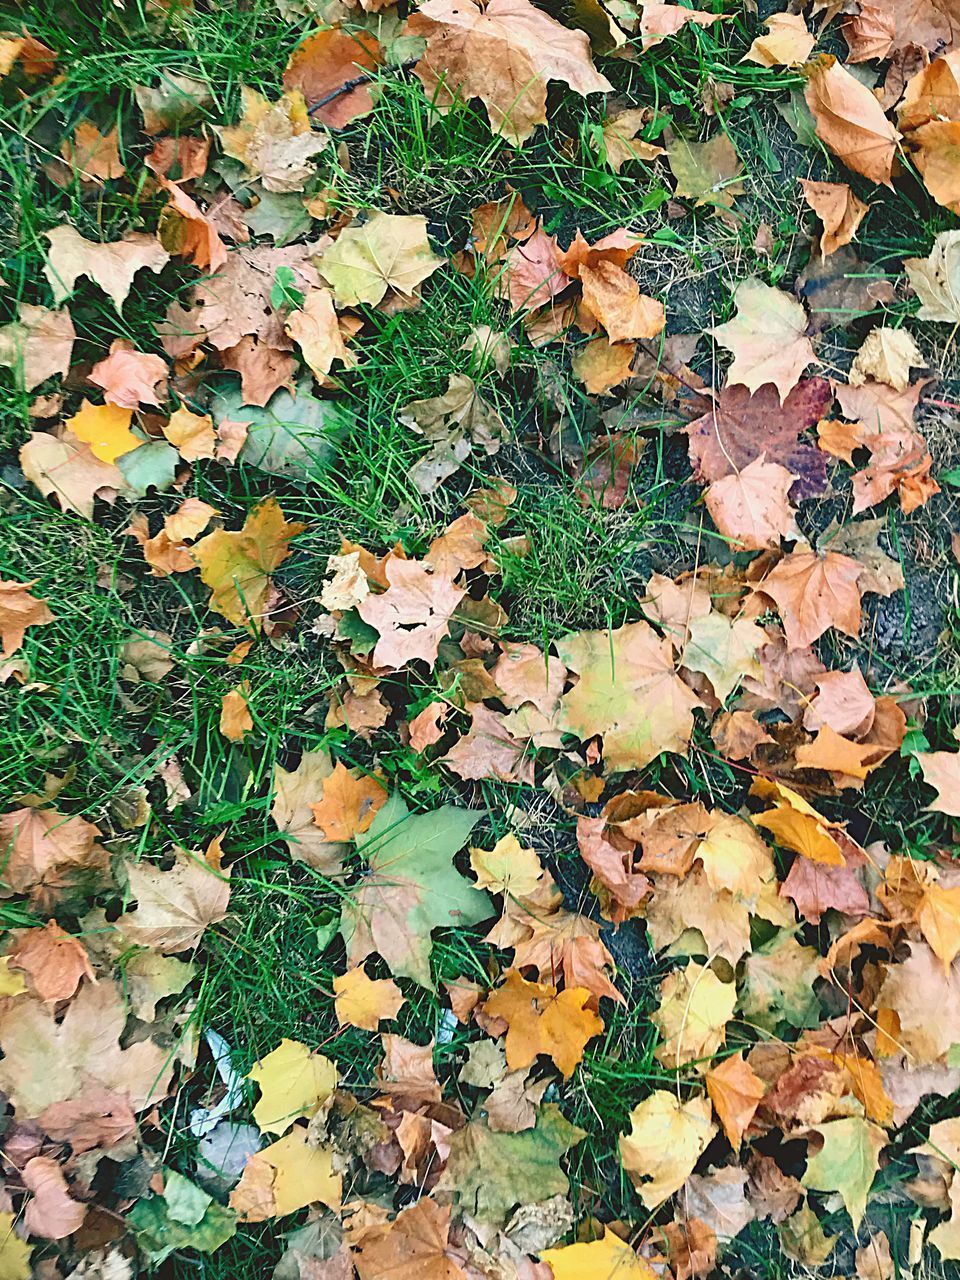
(355, 83)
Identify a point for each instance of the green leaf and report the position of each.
(184, 1217)
(847, 1162)
(292, 436)
(283, 218)
(411, 888)
(489, 1173)
(777, 984)
(152, 465)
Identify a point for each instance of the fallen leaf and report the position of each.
(174, 907)
(735, 1091)
(235, 718)
(767, 338)
(54, 961)
(887, 355)
(295, 793)
(285, 1177)
(363, 1002)
(236, 566)
(18, 611)
(719, 1199)
(706, 172)
(941, 770)
(603, 364)
(324, 63)
(873, 1259)
(389, 251)
(316, 329)
(413, 615)
(619, 144)
(415, 1244)
(850, 121)
(838, 209)
(191, 434)
(51, 1212)
(597, 1260)
(504, 55)
(695, 1007)
(274, 141)
(37, 345)
(657, 21)
(130, 378)
(739, 429)
(936, 279)
(411, 888)
(614, 298)
(751, 507)
(293, 1083)
(14, 1252)
(48, 853)
(786, 44)
(349, 805)
(724, 650)
(847, 1162)
(186, 232)
(667, 1137)
(796, 825)
(939, 919)
(541, 1020)
(814, 593)
(111, 267)
(105, 428)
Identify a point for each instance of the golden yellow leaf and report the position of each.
(667, 1137)
(191, 434)
(105, 428)
(507, 868)
(695, 1007)
(235, 719)
(293, 1082)
(939, 921)
(539, 1020)
(285, 1177)
(364, 1002)
(609, 1258)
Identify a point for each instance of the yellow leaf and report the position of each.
(106, 429)
(695, 1007)
(285, 1177)
(235, 719)
(541, 1021)
(666, 1139)
(364, 1002)
(735, 857)
(293, 1082)
(608, 1259)
(191, 434)
(796, 825)
(507, 868)
(939, 921)
(14, 1254)
(11, 984)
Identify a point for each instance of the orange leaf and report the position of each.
(539, 1020)
(349, 805)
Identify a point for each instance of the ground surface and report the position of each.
(566, 563)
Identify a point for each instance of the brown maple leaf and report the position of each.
(324, 63)
(739, 428)
(413, 615)
(541, 1020)
(47, 854)
(814, 593)
(504, 54)
(174, 907)
(18, 611)
(850, 120)
(768, 338)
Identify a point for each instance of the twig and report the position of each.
(349, 85)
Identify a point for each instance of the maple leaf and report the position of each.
(489, 750)
(739, 429)
(839, 210)
(236, 566)
(657, 21)
(724, 650)
(14, 1252)
(939, 919)
(767, 338)
(736, 1091)
(452, 423)
(597, 1260)
(734, 856)
(941, 770)
(532, 274)
(787, 42)
(105, 428)
(37, 345)
(47, 854)
(274, 141)
(489, 1173)
(603, 364)
(191, 434)
(54, 961)
(285, 1177)
(817, 887)
(814, 593)
(295, 793)
(363, 1002)
(850, 121)
(130, 378)
(111, 267)
(323, 63)
(185, 232)
(667, 1137)
(614, 298)
(629, 692)
(315, 327)
(541, 1020)
(411, 888)
(389, 251)
(844, 702)
(751, 507)
(936, 279)
(349, 805)
(174, 907)
(18, 611)
(796, 825)
(619, 144)
(719, 1199)
(777, 984)
(504, 54)
(262, 369)
(847, 1162)
(293, 1083)
(235, 718)
(413, 615)
(886, 355)
(695, 1007)
(46, 1061)
(706, 172)
(52, 1212)
(415, 1244)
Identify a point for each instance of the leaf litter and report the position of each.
(803, 980)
